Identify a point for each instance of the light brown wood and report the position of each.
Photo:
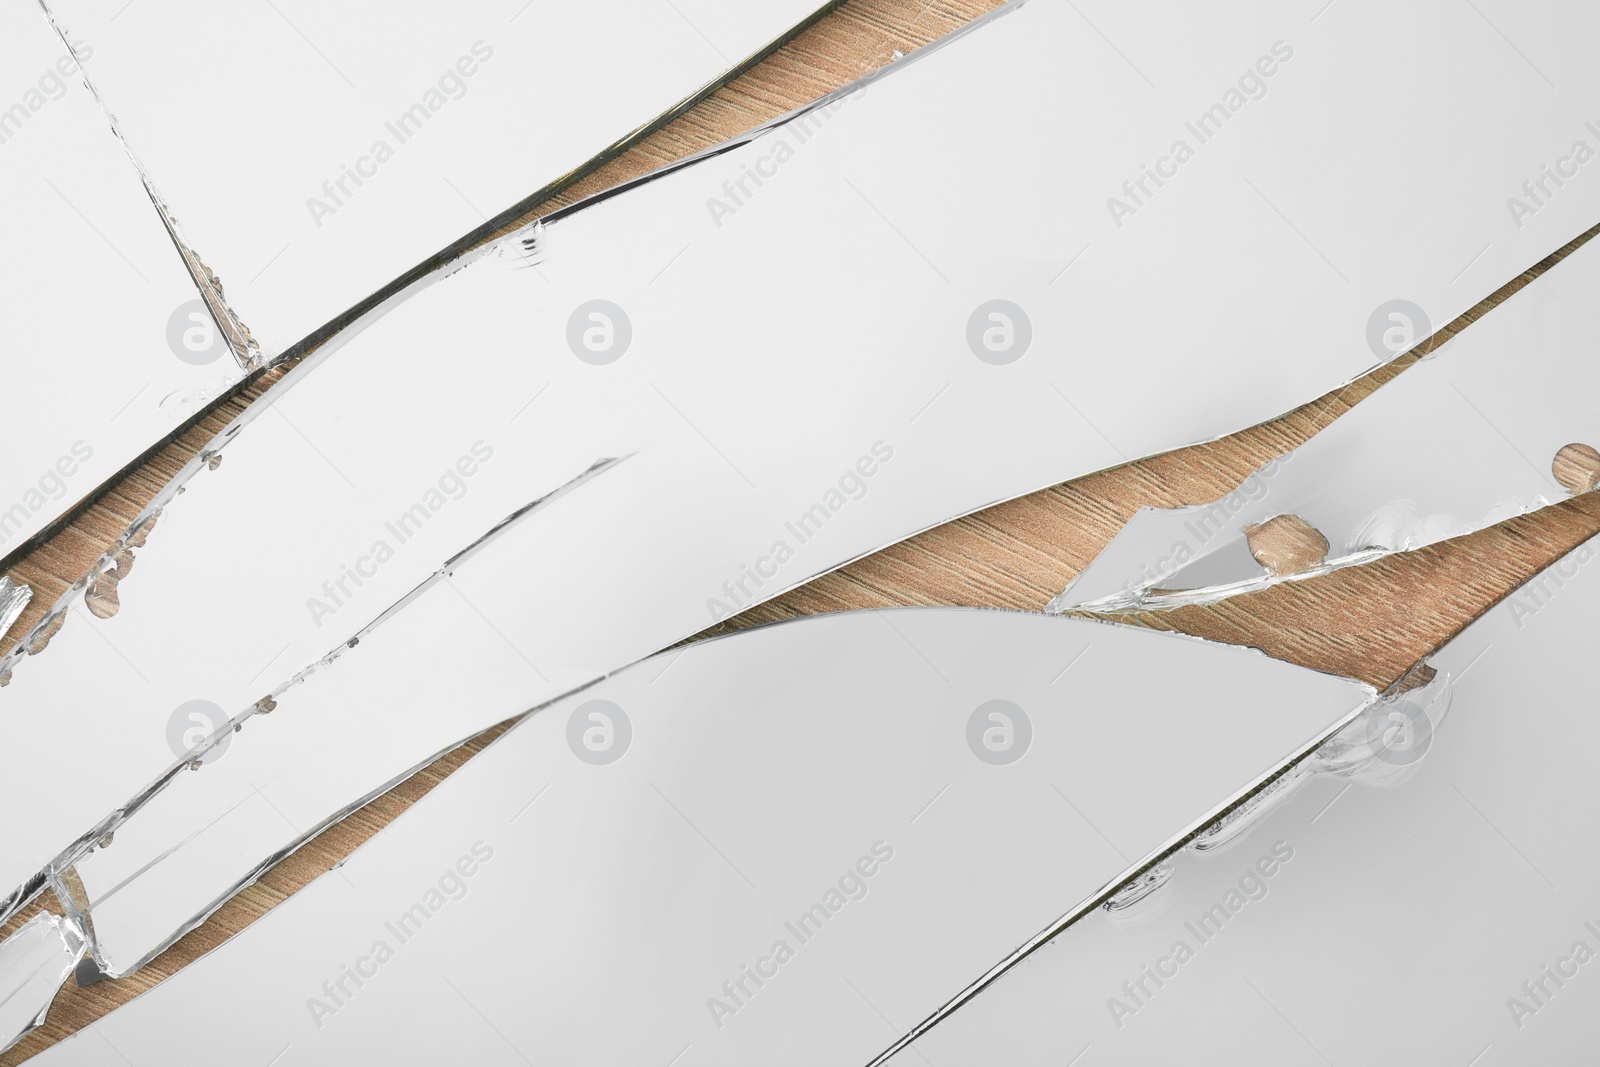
(1372, 622)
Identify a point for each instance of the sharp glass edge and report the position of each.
(1150, 598)
(1458, 459)
(14, 597)
(1340, 702)
(243, 347)
(108, 826)
(1111, 890)
(332, 333)
(47, 938)
(1221, 829)
(1387, 832)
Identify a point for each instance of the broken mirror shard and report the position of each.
(14, 597)
(655, 329)
(109, 345)
(374, 140)
(1496, 423)
(34, 962)
(756, 848)
(1453, 913)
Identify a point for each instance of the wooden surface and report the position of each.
(1371, 622)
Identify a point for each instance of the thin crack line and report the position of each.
(1089, 824)
(96, 229)
(109, 1045)
(1086, 1048)
(703, 837)
(114, 890)
(1088, 422)
(529, 804)
(270, 662)
(1497, 430)
(929, 404)
(1285, 1018)
(882, 1016)
(668, 667)
(703, 437)
(690, 1045)
(1321, 9)
(463, 196)
(1331, 803)
(1472, 663)
(932, 802)
(912, 646)
(1074, 662)
(270, 262)
(1480, 1055)
(1503, 837)
(129, 404)
(495, 628)
(670, 262)
(292, 825)
(308, 41)
(120, 10)
(1113, 47)
(1070, 262)
(1296, 229)
(896, 229)
(529, 404)
(279, 409)
(1468, 267)
(279, 1056)
(520, 10)
(1513, 47)
(118, 651)
(486, 1021)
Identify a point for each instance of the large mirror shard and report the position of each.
(928, 365)
(1497, 422)
(34, 962)
(362, 142)
(150, 269)
(1440, 910)
(109, 344)
(773, 847)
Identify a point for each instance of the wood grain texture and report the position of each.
(1372, 622)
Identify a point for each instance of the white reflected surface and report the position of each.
(1458, 442)
(1407, 920)
(361, 140)
(626, 851)
(92, 294)
(798, 371)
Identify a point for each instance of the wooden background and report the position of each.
(1372, 622)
